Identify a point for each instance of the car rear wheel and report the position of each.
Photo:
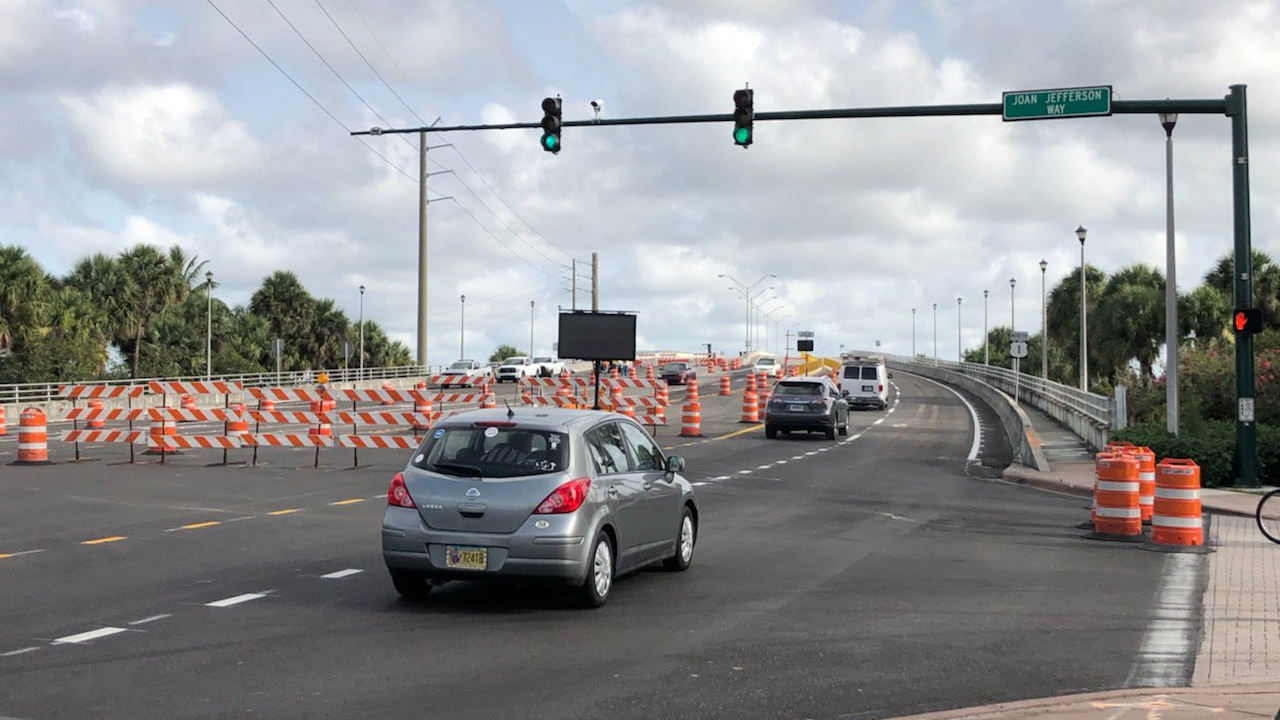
(770, 432)
(411, 585)
(830, 433)
(594, 590)
(684, 543)
(844, 429)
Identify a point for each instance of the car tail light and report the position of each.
(398, 494)
(493, 423)
(566, 498)
(818, 402)
(881, 388)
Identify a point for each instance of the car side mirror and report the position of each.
(675, 464)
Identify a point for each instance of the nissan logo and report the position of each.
(472, 494)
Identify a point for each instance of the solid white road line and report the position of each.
(20, 651)
(341, 574)
(228, 602)
(87, 636)
(23, 552)
(1169, 646)
(699, 484)
(153, 618)
(973, 414)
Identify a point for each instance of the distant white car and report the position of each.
(548, 366)
(768, 365)
(473, 368)
(513, 369)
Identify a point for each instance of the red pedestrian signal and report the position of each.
(1247, 320)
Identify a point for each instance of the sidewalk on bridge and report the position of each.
(1077, 479)
(1225, 702)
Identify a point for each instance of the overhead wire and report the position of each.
(303, 90)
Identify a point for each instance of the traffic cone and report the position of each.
(691, 419)
(725, 387)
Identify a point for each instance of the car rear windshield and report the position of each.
(864, 372)
(674, 367)
(494, 452)
(766, 361)
(543, 360)
(790, 388)
(460, 366)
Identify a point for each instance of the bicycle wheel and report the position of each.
(1268, 516)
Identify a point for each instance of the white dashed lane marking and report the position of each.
(87, 636)
(341, 574)
(151, 619)
(235, 600)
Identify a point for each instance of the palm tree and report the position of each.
(100, 278)
(288, 309)
(1064, 315)
(24, 295)
(1130, 320)
(1205, 313)
(328, 332)
(1266, 282)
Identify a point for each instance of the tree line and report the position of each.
(1126, 329)
(143, 313)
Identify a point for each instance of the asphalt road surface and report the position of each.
(874, 576)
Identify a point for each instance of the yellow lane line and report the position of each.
(738, 432)
(352, 501)
(194, 526)
(99, 541)
(285, 512)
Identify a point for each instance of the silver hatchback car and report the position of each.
(570, 496)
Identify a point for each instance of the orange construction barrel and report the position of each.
(1146, 478)
(1175, 519)
(1116, 510)
(33, 438)
(95, 423)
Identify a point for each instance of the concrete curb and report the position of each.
(1209, 700)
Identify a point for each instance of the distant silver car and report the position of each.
(570, 496)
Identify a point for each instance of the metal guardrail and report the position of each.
(48, 392)
(1089, 415)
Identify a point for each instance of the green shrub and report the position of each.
(1211, 444)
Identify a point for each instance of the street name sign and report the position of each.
(805, 334)
(1019, 336)
(1059, 103)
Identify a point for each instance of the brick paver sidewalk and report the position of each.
(1241, 630)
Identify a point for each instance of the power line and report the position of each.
(462, 156)
(303, 90)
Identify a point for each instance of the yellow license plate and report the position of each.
(466, 558)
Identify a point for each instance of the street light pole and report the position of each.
(1084, 323)
(959, 350)
(361, 332)
(1044, 323)
(208, 333)
(986, 339)
(913, 334)
(746, 294)
(1013, 319)
(462, 327)
(1171, 333)
(935, 334)
(531, 328)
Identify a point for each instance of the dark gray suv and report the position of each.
(806, 404)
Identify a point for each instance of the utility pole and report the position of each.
(913, 335)
(1242, 290)
(573, 278)
(986, 339)
(422, 250)
(1171, 333)
(531, 302)
(595, 282)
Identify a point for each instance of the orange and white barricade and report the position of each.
(236, 424)
(1176, 518)
(198, 442)
(96, 422)
(133, 437)
(1116, 508)
(3, 429)
(378, 442)
(33, 438)
(293, 440)
(101, 391)
(387, 400)
(199, 387)
(278, 394)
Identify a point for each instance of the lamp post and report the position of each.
(935, 334)
(986, 339)
(462, 326)
(913, 334)
(362, 333)
(1084, 323)
(1044, 323)
(768, 320)
(208, 328)
(959, 351)
(1013, 318)
(746, 293)
(531, 328)
(1168, 120)
(760, 312)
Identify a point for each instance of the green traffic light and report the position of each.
(741, 135)
(550, 142)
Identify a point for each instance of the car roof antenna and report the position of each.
(510, 413)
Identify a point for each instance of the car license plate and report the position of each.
(796, 408)
(466, 558)
(868, 388)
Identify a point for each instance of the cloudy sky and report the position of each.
(145, 121)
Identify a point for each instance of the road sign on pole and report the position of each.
(805, 334)
(1017, 349)
(1019, 336)
(1059, 103)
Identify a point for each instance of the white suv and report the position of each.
(865, 383)
(548, 366)
(515, 368)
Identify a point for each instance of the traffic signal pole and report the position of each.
(1233, 106)
(1246, 458)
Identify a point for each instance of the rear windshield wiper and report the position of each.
(460, 468)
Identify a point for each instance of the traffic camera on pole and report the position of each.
(551, 125)
(743, 116)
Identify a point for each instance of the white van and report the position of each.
(865, 380)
